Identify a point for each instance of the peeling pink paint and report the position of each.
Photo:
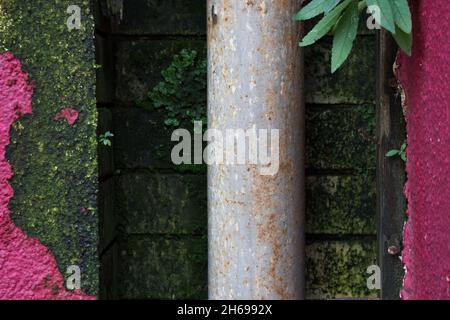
(71, 115)
(27, 268)
(425, 77)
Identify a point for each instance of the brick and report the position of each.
(337, 269)
(353, 83)
(140, 62)
(341, 138)
(161, 203)
(141, 140)
(156, 17)
(341, 205)
(159, 268)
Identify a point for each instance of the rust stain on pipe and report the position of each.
(256, 222)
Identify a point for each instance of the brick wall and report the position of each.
(341, 169)
(154, 241)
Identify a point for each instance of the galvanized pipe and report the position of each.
(256, 221)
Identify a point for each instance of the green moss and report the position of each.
(55, 164)
(337, 269)
(162, 268)
(161, 204)
(341, 138)
(341, 205)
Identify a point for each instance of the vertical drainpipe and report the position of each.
(256, 222)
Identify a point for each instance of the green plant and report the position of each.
(105, 138)
(401, 152)
(341, 17)
(182, 93)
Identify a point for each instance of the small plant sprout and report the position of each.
(401, 152)
(105, 138)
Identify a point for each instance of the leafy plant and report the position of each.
(401, 152)
(105, 138)
(341, 18)
(182, 93)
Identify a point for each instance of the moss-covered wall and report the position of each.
(154, 229)
(154, 214)
(341, 170)
(54, 163)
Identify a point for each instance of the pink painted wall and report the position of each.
(28, 270)
(425, 78)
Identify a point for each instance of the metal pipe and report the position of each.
(256, 221)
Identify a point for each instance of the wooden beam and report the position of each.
(391, 202)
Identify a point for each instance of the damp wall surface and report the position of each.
(341, 169)
(48, 218)
(153, 241)
(425, 78)
(154, 213)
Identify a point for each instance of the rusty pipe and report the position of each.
(256, 221)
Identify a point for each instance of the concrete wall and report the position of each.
(48, 218)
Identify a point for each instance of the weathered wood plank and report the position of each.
(391, 203)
